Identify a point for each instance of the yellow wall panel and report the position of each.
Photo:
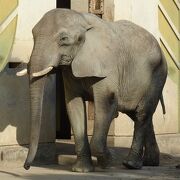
(6, 42)
(172, 11)
(6, 7)
(168, 34)
(173, 72)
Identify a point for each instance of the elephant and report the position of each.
(118, 65)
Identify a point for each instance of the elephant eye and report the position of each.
(63, 41)
(65, 38)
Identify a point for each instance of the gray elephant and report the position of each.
(118, 65)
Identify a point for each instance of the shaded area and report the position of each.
(15, 110)
(65, 156)
(63, 4)
(166, 170)
(63, 128)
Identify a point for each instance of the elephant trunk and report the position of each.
(37, 85)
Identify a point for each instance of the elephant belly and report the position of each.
(133, 87)
(129, 99)
(126, 105)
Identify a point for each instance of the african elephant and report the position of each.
(118, 65)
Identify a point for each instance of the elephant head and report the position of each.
(64, 37)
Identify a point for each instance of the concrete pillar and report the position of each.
(79, 5)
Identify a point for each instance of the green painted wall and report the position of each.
(6, 8)
(7, 34)
(168, 32)
(173, 12)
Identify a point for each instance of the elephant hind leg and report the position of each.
(144, 149)
(144, 137)
(150, 102)
(151, 149)
(134, 159)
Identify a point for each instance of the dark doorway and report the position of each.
(63, 4)
(63, 128)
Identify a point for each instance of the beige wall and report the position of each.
(29, 13)
(15, 111)
(79, 5)
(143, 13)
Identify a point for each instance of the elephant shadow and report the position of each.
(66, 149)
(65, 155)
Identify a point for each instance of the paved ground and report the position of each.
(53, 172)
(166, 170)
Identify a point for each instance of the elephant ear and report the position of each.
(95, 57)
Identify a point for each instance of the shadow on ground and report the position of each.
(65, 156)
(67, 149)
(65, 153)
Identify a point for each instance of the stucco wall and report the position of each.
(143, 13)
(29, 13)
(14, 98)
(79, 5)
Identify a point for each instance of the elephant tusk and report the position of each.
(22, 73)
(43, 72)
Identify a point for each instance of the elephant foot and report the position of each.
(149, 160)
(104, 160)
(83, 165)
(133, 161)
(102, 153)
(151, 157)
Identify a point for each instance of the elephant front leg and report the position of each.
(105, 108)
(77, 115)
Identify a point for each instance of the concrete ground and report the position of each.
(65, 157)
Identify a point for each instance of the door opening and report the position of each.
(63, 128)
(63, 4)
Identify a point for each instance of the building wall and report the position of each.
(143, 13)
(29, 13)
(81, 6)
(14, 128)
(169, 35)
(8, 23)
(14, 91)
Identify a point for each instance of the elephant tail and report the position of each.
(162, 104)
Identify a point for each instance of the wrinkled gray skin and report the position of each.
(118, 65)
